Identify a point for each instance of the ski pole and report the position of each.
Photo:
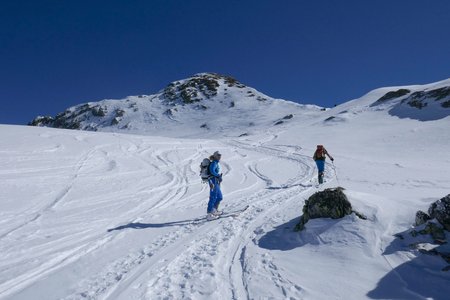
(314, 172)
(335, 173)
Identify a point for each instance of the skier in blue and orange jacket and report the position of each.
(319, 157)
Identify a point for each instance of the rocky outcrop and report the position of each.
(73, 118)
(195, 89)
(421, 218)
(420, 99)
(330, 203)
(431, 231)
(392, 95)
(439, 210)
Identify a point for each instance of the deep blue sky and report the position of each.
(55, 54)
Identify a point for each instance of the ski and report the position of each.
(234, 213)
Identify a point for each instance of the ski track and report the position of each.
(40, 211)
(172, 280)
(165, 267)
(233, 237)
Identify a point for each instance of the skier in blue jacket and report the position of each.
(215, 194)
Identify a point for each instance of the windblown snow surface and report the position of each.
(90, 215)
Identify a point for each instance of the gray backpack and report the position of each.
(204, 170)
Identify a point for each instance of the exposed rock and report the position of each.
(421, 218)
(430, 234)
(392, 95)
(170, 112)
(417, 103)
(115, 121)
(330, 203)
(281, 121)
(440, 210)
(98, 111)
(120, 113)
(262, 99)
(419, 99)
(196, 88)
(42, 121)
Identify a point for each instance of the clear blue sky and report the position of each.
(56, 54)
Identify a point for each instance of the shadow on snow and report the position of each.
(194, 221)
(420, 278)
(284, 237)
(156, 225)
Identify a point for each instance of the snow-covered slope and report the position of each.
(420, 102)
(203, 105)
(98, 215)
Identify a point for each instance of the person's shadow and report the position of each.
(158, 225)
(194, 221)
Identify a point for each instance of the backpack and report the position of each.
(320, 152)
(204, 169)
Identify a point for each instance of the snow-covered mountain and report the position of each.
(206, 104)
(107, 215)
(209, 104)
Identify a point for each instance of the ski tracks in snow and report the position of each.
(217, 263)
(189, 260)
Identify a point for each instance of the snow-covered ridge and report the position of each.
(211, 105)
(418, 102)
(425, 103)
(203, 105)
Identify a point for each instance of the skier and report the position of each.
(319, 157)
(215, 194)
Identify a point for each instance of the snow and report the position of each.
(105, 215)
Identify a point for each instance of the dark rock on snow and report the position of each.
(330, 203)
(421, 218)
(433, 226)
(440, 210)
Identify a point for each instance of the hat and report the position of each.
(217, 153)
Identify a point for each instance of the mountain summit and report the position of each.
(213, 105)
(204, 104)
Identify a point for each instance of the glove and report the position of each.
(211, 185)
(332, 159)
(220, 178)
